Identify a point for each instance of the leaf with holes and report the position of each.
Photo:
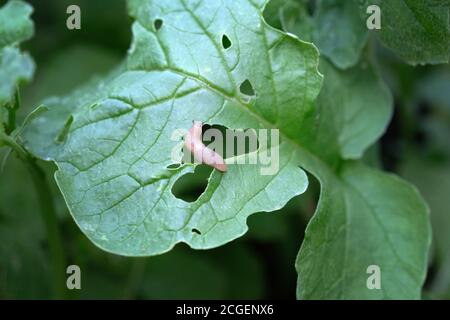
(209, 61)
(220, 63)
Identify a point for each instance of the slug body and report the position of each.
(201, 153)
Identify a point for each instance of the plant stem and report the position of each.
(44, 195)
(50, 219)
(11, 126)
(8, 141)
(2, 127)
(11, 121)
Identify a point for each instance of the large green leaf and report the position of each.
(111, 142)
(418, 31)
(352, 111)
(15, 67)
(113, 164)
(364, 218)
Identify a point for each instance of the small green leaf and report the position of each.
(15, 23)
(340, 31)
(354, 106)
(353, 110)
(15, 67)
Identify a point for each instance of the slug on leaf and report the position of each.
(201, 153)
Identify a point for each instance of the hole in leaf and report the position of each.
(196, 231)
(158, 24)
(226, 42)
(228, 142)
(190, 186)
(246, 88)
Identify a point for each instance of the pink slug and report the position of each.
(193, 142)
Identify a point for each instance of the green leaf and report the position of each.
(417, 31)
(15, 23)
(340, 31)
(353, 110)
(42, 133)
(364, 218)
(290, 15)
(354, 106)
(15, 67)
(337, 27)
(113, 165)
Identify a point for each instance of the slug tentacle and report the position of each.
(201, 153)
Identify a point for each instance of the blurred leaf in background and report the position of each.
(427, 164)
